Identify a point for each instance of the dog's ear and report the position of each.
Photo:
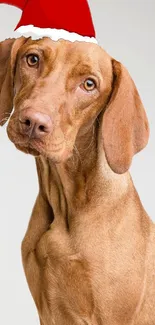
(8, 52)
(125, 128)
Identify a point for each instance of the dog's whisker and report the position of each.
(98, 121)
(91, 142)
(6, 113)
(77, 153)
(3, 119)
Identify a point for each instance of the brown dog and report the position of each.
(89, 251)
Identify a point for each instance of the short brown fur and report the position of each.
(88, 252)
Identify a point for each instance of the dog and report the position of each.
(89, 250)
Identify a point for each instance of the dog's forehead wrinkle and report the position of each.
(78, 51)
(88, 59)
(80, 57)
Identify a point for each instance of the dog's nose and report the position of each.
(34, 124)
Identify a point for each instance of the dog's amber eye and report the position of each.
(89, 84)
(33, 60)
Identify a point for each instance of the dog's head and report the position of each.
(58, 89)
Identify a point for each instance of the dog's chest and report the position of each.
(67, 296)
(85, 281)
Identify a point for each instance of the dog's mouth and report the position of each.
(53, 147)
(56, 152)
(27, 149)
(37, 148)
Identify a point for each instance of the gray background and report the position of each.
(126, 30)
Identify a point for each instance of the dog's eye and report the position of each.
(32, 60)
(89, 84)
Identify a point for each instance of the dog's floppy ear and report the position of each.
(8, 52)
(125, 128)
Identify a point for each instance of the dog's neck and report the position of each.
(84, 181)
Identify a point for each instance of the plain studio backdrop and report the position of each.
(126, 29)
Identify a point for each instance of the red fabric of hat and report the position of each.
(70, 15)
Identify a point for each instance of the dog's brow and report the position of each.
(32, 47)
(81, 69)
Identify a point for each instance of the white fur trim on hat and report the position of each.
(54, 34)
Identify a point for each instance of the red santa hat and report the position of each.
(58, 19)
